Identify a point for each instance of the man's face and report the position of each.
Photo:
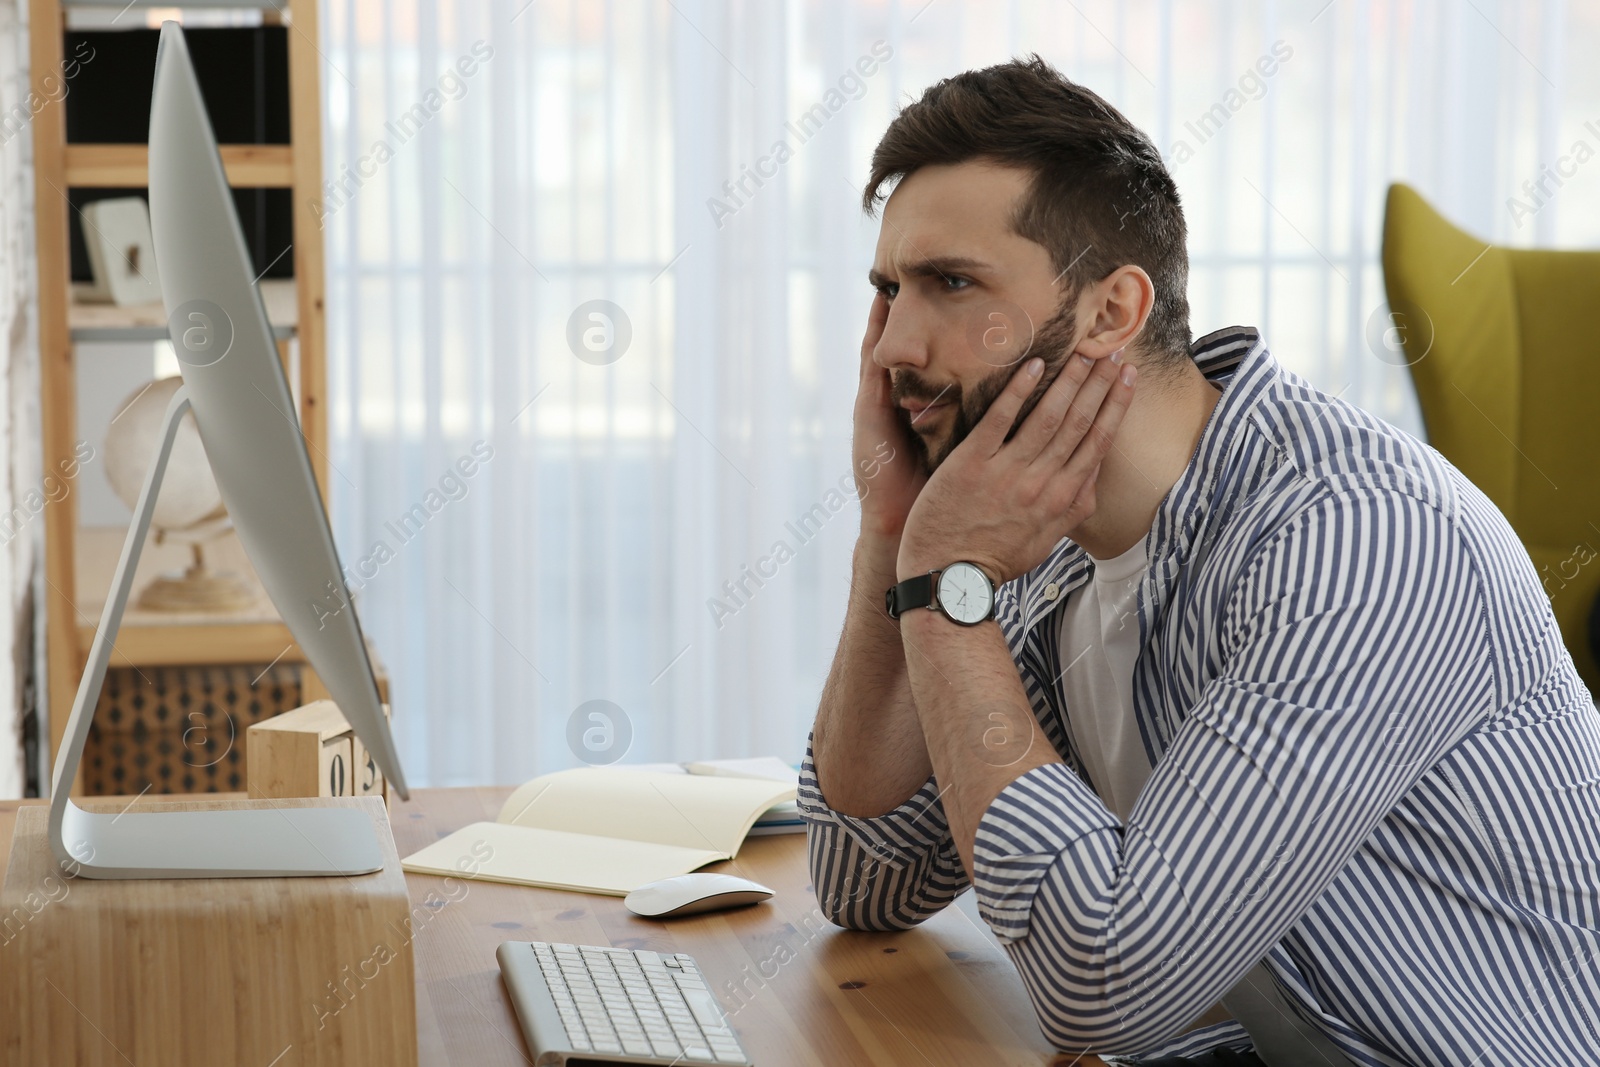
(970, 300)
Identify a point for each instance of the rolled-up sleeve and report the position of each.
(1354, 654)
(888, 872)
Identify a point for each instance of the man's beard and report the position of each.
(1051, 343)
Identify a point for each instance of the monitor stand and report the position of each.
(264, 842)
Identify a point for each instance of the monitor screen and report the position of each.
(241, 399)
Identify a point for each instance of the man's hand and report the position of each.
(888, 479)
(867, 744)
(1003, 505)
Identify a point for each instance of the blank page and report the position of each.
(687, 810)
(524, 855)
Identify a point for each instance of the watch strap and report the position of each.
(915, 592)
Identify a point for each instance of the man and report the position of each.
(1270, 710)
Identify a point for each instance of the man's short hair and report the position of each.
(1100, 195)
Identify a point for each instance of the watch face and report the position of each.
(965, 593)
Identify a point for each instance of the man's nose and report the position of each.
(904, 344)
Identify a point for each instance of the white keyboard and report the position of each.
(584, 1004)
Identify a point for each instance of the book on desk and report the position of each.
(612, 829)
(783, 818)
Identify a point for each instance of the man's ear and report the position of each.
(1116, 309)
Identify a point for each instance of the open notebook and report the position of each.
(606, 829)
(783, 818)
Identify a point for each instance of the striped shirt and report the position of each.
(1376, 766)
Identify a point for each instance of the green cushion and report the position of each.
(1454, 303)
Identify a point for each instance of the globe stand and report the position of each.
(197, 589)
(258, 842)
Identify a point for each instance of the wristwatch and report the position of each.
(961, 591)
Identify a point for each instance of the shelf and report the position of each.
(114, 15)
(148, 322)
(169, 5)
(156, 638)
(127, 166)
(149, 645)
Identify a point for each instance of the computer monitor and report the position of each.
(245, 413)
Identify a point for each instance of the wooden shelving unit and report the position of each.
(148, 322)
(78, 563)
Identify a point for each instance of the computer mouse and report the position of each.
(691, 894)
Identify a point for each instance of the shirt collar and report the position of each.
(1234, 359)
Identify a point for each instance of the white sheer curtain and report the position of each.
(660, 526)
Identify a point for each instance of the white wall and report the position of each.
(19, 393)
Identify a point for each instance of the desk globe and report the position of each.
(189, 509)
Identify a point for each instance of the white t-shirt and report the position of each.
(1100, 644)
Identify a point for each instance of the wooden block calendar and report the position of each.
(311, 752)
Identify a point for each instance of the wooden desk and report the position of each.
(801, 992)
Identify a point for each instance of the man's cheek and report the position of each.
(985, 393)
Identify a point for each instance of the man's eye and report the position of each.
(889, 290)
(955, 284)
